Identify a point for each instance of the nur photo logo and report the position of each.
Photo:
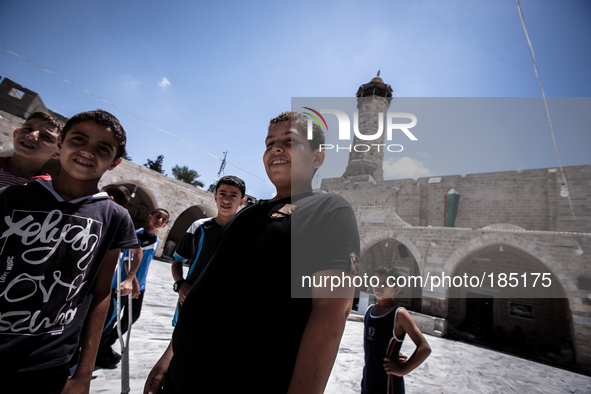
(392, 121)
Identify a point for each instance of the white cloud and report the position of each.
(164, 83)
(129, 82)
(404, 168)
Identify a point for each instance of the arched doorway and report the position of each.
(504, 314)
(392, 253)
(142, 202)
(182, 223)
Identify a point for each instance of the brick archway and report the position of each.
(375, 237)
(150, 190)
(525, 245)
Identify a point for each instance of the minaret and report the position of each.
(372, 98)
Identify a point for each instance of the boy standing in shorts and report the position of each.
(385, 326)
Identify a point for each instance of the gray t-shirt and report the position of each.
(240, 308)
(50, 254)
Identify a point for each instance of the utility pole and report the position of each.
(222, 166)
(217, 177)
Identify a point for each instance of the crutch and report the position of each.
(125, 389)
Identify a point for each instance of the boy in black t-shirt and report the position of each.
(60, 240)
(198, 244)
(257, 337)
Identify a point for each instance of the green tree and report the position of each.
(186, 175)
(155, 165)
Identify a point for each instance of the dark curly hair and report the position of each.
(119, 193)
(103, 118)
(232, 180)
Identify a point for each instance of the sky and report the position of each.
(212, 74)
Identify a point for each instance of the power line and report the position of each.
(531, 49)
(129, 113)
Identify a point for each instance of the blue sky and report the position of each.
(214, 73)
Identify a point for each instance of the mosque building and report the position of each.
(476, 226)
(500, 228)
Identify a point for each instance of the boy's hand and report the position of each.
(394, 368)
(183, 291)
(75, 386)
(401, 358)
(158, 372)
(126, 287)
(156, 378)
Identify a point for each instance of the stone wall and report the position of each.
(529, 199)
(507, 222)
(18, 100)
(8, 123)
(562, 308)
(165, 192)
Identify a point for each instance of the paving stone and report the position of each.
(453, 367)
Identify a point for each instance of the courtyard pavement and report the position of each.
(453, 367)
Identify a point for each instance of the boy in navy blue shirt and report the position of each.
(385, 326)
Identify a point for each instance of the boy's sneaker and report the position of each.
(107, 359)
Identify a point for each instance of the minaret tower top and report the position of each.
(373, 101)
(376, 87)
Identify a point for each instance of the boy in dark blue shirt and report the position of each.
(385, 326)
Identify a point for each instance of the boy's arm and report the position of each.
(93, 326)
(421, 352)
(127, 284)
(321, 338)
(177, 274)
(158, 372)
(135, 293)
(177, 270)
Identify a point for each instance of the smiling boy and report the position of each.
(35, 142)
(291, 344)
(63, 239)
(385, 326)
(198, 243)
